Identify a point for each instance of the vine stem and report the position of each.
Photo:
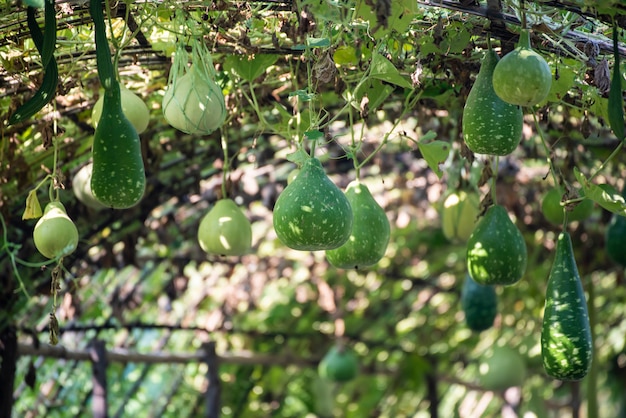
(226, 166)
(409, 103)
(613, 154)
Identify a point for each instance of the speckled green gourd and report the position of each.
(479, 303)
(490, 125)
(370, 231)
(118, 179)
(522, 77)
(312, 213)
(566, 345)
(496, 251)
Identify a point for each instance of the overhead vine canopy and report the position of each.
(131, 315)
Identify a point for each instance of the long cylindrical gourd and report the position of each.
(118, 178)
(45, 44)
(566, 345)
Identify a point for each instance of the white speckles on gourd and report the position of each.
(312, 213)
(118, 179)
(566, 345)
(496, 250)
(370, 231)
(490, 125)
(522, 77)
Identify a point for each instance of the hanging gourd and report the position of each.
(118, 179)
(490, 125)
(193, 102)
(522, 77)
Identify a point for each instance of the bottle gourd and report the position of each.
(118, 178)
(566, 346)
(490, 125)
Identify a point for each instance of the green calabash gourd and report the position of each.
(133, 106)
(312, 213)
(615, 237)
(490, 125)
(55, 235)
(479, 303)
(225, 230)
(496, 251)
(370, 231)
(566, 345)
(522, 77)
(554, 212)
(501, 368)
(194, 103)
(81, 185)
(340, 364)
(459, 214)
(118, 179)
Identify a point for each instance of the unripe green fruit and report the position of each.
(496, 250)
(55, 234)
(81, 185)
(225, 230)
(459, 215)
(133, 106)
(340, 364)
(502, 369)
(553, 211)
(522, 77)
(312, 213)
(370, 231)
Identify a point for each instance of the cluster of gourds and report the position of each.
(496, 250)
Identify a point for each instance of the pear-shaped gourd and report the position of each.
(312, 213)
(615, 237)
(501, 368)
(490, 125)
(496, 251)
(459, 215)
(522, 77)
(194, 103)
(225, 230)
(118, 178)
(133, 106)
(370, 231)
(340, 364)
(479, 303)
(566, 345)
(81, 185)
(55, 234)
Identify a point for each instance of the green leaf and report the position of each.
(298, 157)
(33, 208)
(314, 135)
(376, 92)
(345, 55)
(249, 68)
(604, 195)
(303, 95)
(435, 153)
(399, 20)
(382, 69)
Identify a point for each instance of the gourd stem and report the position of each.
(494, 180)
(226, 166)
